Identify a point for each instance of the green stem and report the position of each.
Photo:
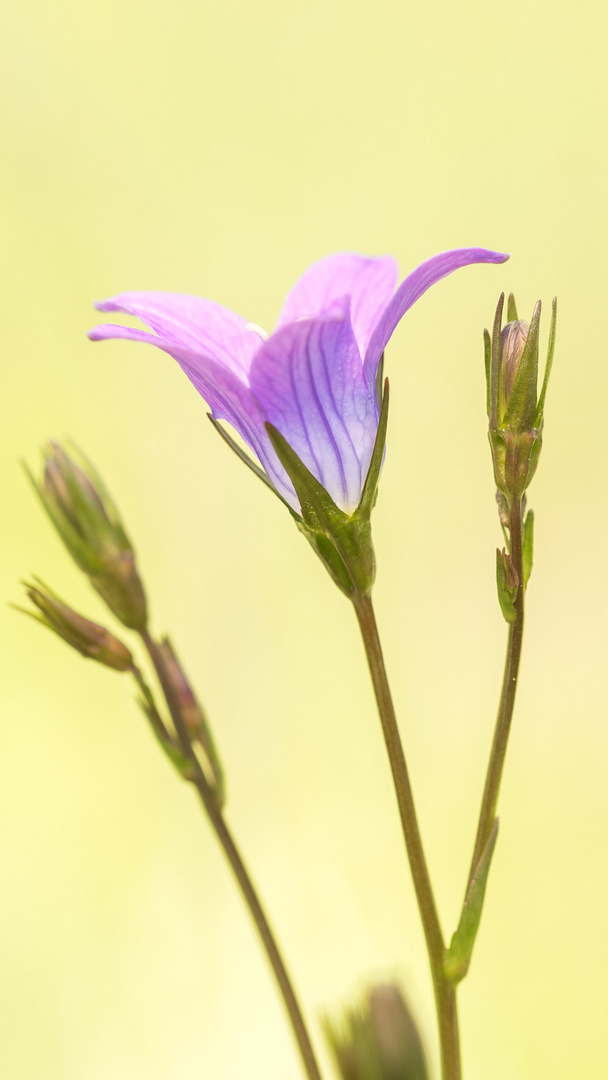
(445, 992)
(507, 696)
(239, 870)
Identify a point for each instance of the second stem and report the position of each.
(445, 992)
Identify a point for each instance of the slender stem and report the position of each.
(239, 870)
(507, 696)
(445, 992)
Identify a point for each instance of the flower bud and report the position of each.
(515, 409)
(193, 716)
(88, 638)
(378, 1041)
(512, 343)
(88, 522)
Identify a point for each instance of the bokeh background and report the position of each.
(218, 149)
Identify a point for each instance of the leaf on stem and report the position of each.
(528, 546)
(507, 582)
(458, 956)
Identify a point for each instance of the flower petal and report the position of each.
(369, 282)
(412, 288)
(309, 381)
(227, 394)
(187, 322)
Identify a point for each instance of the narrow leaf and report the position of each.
(528, 546)
(370, 487)
(506, 585)
(458, 957)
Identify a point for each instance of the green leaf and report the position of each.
(458, 956)
(528, 546)
(521, 410)
(370, 488)
(507, 583)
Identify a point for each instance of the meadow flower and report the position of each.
(314, 379)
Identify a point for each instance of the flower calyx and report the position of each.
(342, 541)
(81, 509)
(515, 410)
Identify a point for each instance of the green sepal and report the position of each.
(370, 487)
(458, 956)
(511, 309)
(319, 511)
(495, 363)
(507, 583)
(528, 546)
(487, 358)
(343, 543)
(521, 410)
(244, 457)
(540, 408)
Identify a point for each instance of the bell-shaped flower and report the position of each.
(314, 379)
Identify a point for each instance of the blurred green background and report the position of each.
(218, 149)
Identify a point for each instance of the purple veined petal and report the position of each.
(228, 396)
(189, 322)
(369, 282)
(412, 288)
(309, 381)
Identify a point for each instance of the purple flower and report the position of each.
(314, 378)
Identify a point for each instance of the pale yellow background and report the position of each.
(219, 148)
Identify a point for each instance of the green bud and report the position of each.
(82, 511)
(515, 412)
(512, 344)
(193, 716)
(88, 638)
(379, 1040)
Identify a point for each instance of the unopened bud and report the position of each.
(515, 409)
(88, 638)
(512, 344)
(193, 716)
(88, 522)
(379, 1040)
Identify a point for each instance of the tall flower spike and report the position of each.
(313, 379)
